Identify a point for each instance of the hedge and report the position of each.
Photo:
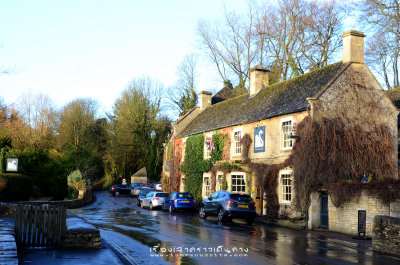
(15, 187)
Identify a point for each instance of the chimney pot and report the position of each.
(205, 99)
(258, 79)
(353, 46)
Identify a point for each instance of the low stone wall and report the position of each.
(7, 209)
(81, 234)
(8, 247)
(84, 198)
(345, 219)
(386, 235)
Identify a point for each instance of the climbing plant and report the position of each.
(194, 165)
(330, 154)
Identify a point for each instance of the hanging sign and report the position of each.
(259, 139)
(12, 164)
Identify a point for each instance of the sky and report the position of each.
(69, 49)
(85, 48)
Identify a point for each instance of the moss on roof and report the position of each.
(275, 100)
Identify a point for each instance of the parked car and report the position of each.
(118, 189)
(154, 199)
(135, 191)
(134, 185)
(183, 201)
(142, 194)
(227, 205)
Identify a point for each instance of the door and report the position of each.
(324, 212)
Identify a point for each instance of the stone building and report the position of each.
(269, 113)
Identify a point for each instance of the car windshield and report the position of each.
(145, 191)
(164, 195)
(241, 197)
(184, 195)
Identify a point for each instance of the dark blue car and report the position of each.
(228, 205)
(182, 201)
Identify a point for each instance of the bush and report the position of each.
(15, 187)
(75, 182)
(48, 172)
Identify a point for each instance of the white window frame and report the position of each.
(220, 180)
(243, 186)
(285, 188)
(236, 146)
(207, 153)
(285, 133)
(207, 185)
(184, 148)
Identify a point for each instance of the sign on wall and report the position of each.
(12, 164)
(259, 139)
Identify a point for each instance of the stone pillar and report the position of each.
(314, 211)
(395, 208)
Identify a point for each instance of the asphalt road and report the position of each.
(142, 236)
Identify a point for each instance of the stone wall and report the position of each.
(386, 235)
(345, 218)
(8, 247)
(81, 234)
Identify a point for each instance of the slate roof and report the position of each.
(275, 100)
(222, 95)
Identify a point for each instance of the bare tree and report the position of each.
(183, 96)
(383, 50)
(300, 35)
(230, 44)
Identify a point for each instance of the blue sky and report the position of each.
(73, 49)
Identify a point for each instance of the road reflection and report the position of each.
(169, 233)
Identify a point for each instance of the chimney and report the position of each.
(258, 79)
(205, 99)
(353, 46)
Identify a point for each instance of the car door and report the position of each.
(147, 199)
(168, 200)
(210, 203)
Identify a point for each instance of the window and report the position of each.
(220, 181)
(286, 130)
(238, 183)
(208, 146)
(286, 185)
(206, 186)
(237, 136)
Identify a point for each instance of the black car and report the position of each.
(227, 205)
(142, 194)
(118, 189)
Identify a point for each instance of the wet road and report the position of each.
(143, 236)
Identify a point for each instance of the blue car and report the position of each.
(227, 205)
(182, 201)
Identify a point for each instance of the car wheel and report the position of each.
(117, 193)
(151, 206)
(138, 204)
(221, 215)
(170, 209)
(250, 221)
(162, 207)
(202, 213)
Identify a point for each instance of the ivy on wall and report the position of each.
(194, 165)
